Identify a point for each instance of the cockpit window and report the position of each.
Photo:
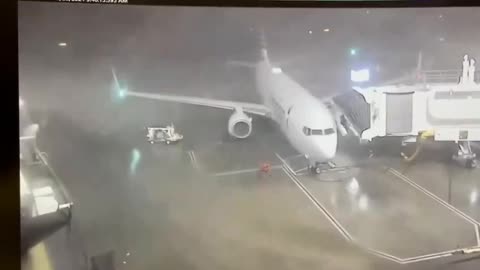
(308, 131)
(329, 131)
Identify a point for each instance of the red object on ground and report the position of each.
(266, 167)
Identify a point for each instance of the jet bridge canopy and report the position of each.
(355, 108)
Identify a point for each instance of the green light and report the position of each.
(122, 93)
(118, 94)
(136, 156)
(353, 51)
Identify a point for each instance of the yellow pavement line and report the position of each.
(39, 258)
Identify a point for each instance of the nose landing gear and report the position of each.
(315, 169)
(318, 168)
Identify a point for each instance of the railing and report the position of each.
(431, 76)
(439, 76)
(42, 157)
(61, 187)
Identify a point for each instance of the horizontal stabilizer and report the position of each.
(241, 64)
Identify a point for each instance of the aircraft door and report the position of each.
(294, 128)
(287, 116)
(399, 113)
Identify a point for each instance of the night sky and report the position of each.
(129, 35)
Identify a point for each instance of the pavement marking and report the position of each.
(319, 206)
(244, 171)
(291, 174)
(450, 207)
(477, 235)
(301, 170)
(380, 253)
(296, 156)
(335, 222)
(193, 159)
(431, 256)
(285, 163)
(40, 260)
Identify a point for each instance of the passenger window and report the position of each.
(307, 131)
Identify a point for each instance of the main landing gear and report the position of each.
(465, 155)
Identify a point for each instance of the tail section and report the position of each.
(412, 76)
(419, 70)
(241, 64)
(115, 80)
(419, 61)
(263, 46)
(261, 57)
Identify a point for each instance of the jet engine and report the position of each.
(239, 125)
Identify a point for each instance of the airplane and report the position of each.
(307, 122)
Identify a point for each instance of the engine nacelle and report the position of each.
(239, 125)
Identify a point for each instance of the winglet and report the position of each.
(120, 92)
(419, 61)
(115, 80)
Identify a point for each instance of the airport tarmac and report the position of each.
(167, 210)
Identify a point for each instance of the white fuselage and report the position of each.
(306, 122)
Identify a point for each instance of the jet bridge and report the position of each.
(435, 107)
(355, 112)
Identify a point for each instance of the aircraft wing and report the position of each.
(252, 108)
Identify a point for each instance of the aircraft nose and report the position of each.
(327, 147)
(331, 149)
